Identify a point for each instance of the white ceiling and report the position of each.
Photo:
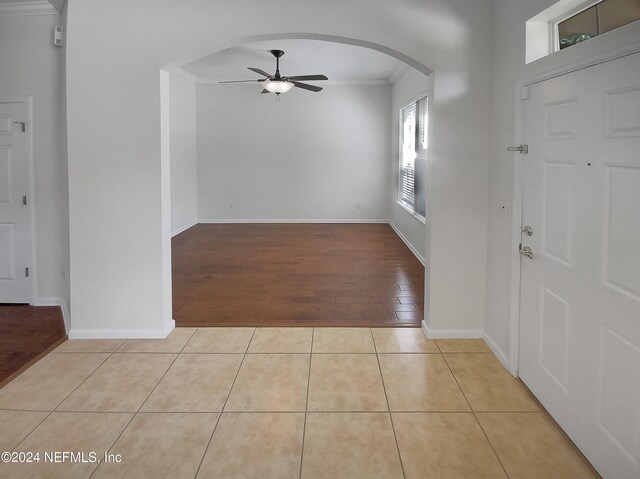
(339, 62)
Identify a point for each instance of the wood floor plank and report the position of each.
(295, 275)
(26, 332)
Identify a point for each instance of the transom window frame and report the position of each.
(424, 95)
(554, 24)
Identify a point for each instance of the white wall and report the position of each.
(308, 156)
(408, 87)
(184, 168)
(31, 66)
(118, 253)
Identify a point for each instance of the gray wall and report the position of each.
(117, 167)
(184, 194)
(411, 84)
(32, 66)
(308, 156)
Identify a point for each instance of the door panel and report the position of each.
(580, 299)
(554, 337)
(558, 212)
(622, 112)
(7, 252)
(15, 217)
(621, 259)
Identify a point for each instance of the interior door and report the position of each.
(580, 293)
(15, 218)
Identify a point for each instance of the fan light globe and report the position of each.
(277, 86)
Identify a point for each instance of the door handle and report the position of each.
(526, 251)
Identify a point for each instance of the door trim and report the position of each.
(541, 74)
(601, 49)
(28, 103)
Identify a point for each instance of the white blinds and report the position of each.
(408, 155)
(413, 156)
(420, 175)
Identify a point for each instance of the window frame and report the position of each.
(555, 23)
(413, 101)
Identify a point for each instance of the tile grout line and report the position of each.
(384, 388)
(306, 404)
(133, 416)
(166, 371)
(224, 405)
(145, 400)
(33, 429)
(252, 354)
(123, 429)
(109, 355)
(114, 442)
(476, 417)
(85, 379)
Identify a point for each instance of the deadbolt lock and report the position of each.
(528, 230)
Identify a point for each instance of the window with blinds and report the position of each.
(413, 156)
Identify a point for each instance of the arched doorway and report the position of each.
(176, 65)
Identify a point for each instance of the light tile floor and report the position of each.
(281, 403)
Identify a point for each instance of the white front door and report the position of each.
(15, 216)
(580, 299)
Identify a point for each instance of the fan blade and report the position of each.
(304, 86)
(265, 91)
(240, 81)
(309, 77)
(260, 72)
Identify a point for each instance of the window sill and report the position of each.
(417, 216)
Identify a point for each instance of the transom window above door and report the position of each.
(592, 19)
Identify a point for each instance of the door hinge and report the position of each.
(26, 272)
(23, 125)
(24, 200)
(523, 149)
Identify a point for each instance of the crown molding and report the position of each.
(36, 7)
(398, 72)
(322, 83)
(356, 82)
(185, 73)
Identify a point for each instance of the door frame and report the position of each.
(626, 43)
(28, 103)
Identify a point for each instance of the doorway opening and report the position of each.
(244, 170)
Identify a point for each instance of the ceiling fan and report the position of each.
(280, 84)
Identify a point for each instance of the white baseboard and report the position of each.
(409, 245)
(425, 329)
(122, 333)
(451, 333)
(56, 302)
(184, 228)
(287, 221)
(502, 357)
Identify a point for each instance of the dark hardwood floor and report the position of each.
(25, 333)
(295, 275)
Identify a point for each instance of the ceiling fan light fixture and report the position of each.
(277, 86)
